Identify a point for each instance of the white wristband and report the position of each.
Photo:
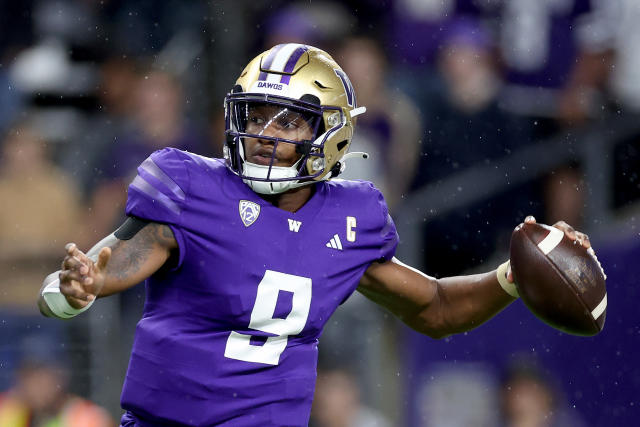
(508, 287)
(57, 302)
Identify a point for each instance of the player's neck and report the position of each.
(292, 200)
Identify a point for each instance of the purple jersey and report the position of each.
(230, 335)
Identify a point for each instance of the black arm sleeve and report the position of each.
(130, 227)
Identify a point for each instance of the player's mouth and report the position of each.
(262, 156)
(263, 159)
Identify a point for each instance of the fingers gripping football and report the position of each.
(573, 234)
(558, 276)
(81, 279)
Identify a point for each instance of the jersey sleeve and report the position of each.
(375, 232)
(158, 192)
(387, 230)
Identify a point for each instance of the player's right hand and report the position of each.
(81, 279)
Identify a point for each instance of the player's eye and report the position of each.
(255, 119)
(288, 123)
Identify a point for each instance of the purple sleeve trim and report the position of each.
(152, 168)
(140, 184)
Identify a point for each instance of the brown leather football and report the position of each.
(559, 280)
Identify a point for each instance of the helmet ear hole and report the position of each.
(342, 144)
(236, 89)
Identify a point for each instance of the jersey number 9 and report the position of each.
(239, 345)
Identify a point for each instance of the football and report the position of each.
(559, 280)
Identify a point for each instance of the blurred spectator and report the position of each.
(337, 403)
(39, 397)
(10, 99)
(464, 127)
(554, 55)
(58, 72)
(366, 355)
(30, 242)
(564, 196)
(416, 33)
(623, 17)
(390, 129)
(40, 213)
(158, 121)
(458, 394)
(84, 154)
(140, 27)
(531, 400)
(416, 28)
(321, 24)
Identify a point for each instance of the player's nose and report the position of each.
(264, 139)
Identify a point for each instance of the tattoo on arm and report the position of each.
(130, 255)
(169, 239)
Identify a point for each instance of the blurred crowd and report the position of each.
(88, 89)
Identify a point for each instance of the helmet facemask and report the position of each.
(262, 127)
(301, 79)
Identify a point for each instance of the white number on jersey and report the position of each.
(239, 345)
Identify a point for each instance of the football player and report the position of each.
(245, 258)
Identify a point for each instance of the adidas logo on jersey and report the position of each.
(294, 225)
(335, 243)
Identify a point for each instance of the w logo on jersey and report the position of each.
(294, 225)
(249, 212)
(348, 87)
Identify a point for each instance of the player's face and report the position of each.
(277, 122)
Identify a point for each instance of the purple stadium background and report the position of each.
(598, 375)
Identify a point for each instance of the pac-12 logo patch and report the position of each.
(249, 212)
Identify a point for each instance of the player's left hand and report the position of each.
(569, 231)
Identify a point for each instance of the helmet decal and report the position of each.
(348, 87)
(281, 62)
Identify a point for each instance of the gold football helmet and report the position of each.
(297, 81)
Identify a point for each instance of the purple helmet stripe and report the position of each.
(266, 65)
(348, 88)
(291, 63)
